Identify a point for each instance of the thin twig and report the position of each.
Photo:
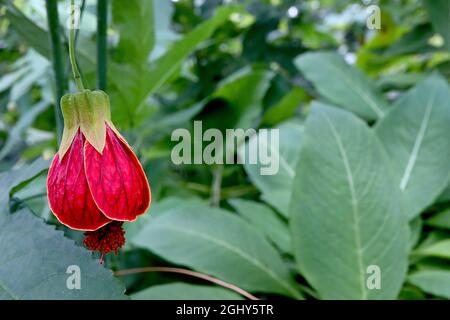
(199, 275)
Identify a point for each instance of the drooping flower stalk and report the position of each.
(72, 58)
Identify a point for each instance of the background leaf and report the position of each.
(439, 249)
(184, 291)
(133, 90)
(276, 189)
(266, 221)
(342, 84)
(416, 137)
(440, 220)
(439, 12)
(10, 180)
(217, 242)
(432, 281)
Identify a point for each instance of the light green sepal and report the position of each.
(71, 123)
(89, 111)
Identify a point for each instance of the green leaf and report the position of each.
(132, 18)
(276, 189)
(416, 134)
(35, 36)
(164, 67)
(13, 180)
(184, 291)
(342, 84)
(413, 42)
(439, 12)
(285, 108)
(217, 242)
(440, 220)
(244, 91)
(160, 207)
(135, 89)
(35, 259)
(266, 221)
(410, 292)
(345, 214)
(439, 249)
(435, 282)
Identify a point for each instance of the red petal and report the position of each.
(116, 179)
(68, 192)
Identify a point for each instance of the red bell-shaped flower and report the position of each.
(95, 178)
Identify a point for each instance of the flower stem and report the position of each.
(57, 61)
(189, 273)
(102, 21)
(73, 62)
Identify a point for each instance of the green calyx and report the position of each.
(88, 111)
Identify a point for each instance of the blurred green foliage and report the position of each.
(250, 64)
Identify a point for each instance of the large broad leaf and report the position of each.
(436, 282)
(11, 180)
(184, 291)
(218, 243)
(416, 135)
(439, 12)
(345, 215)
(266, 221)
(276, 189)
(159, 207)
(342, 84)
(37, 263)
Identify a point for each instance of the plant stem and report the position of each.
(57, 61)
(73, 62)
(102, 22)
(216, 186)
(190, 273)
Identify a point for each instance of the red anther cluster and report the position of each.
(109, 238)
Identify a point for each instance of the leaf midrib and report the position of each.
(354, 204)
(417, 143)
